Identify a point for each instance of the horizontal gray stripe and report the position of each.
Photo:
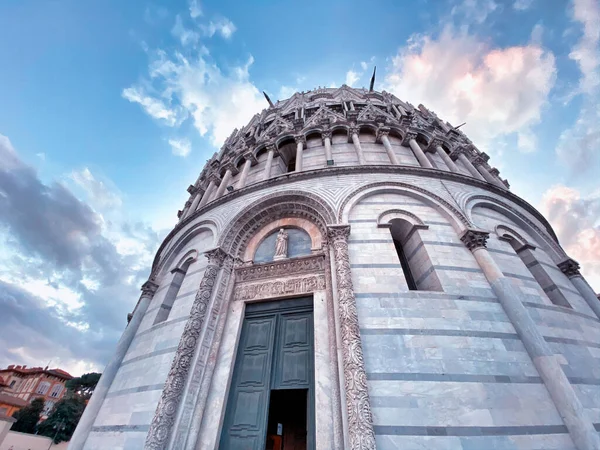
(433, 332)
(392, 203)
(163, 306)
(453, 377)
(584, 380)
(428, 296)
(161, 325)
(201, 269)
(597, 426)
(445, 244)
(362, 221)
(520, 277)
(502, 252)
(459, 269)
(383, 430)
(375, 266)
(120, 428)
(152, 387)
(554, 287)
(149, 355)
(560, 309)
(559, 340)
(370, 241)
(433, 222)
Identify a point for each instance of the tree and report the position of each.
(63, 418)
(84, 385)
(28, 417)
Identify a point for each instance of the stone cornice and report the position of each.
(290, 266)
(286, 178)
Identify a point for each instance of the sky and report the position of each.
(109, 110)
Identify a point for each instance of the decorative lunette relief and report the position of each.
(278, 288)
(166, 411)
(360, 420)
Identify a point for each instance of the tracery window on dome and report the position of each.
(179, 273)
(298, 244)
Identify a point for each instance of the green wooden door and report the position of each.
(275, 351)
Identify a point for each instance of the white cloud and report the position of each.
(195, 10)
(100, 195)
(222, 26)
(185, 35)
(497, 91)
(352, 77)
(578, 145)
(522, 5)
(286, 92)
(217, 101)
(576, 220)
(180, 147)
(155, 107)
(474, 11)
(363, 65)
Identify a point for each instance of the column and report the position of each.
(209, 191)
(110, 371)
(564, 397)
(445, 157)
(159, 434)
(570, 268)
(197, 199)
(224, 183)
(186, 208)
(326, 135)
(245, 170)
(269, 164)
(357, 146)
(358, 406)
(478, 163)
(460, 152)
(496, 174)
(383, 136)
(417, 150)
(299, 150)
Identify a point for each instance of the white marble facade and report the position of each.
(496, 346)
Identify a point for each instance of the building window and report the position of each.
(418, 269)
(12, 383)
(48, 405)
(171, 295)
(43, 388)
(56, 390)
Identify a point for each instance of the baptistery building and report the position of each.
(351, 272)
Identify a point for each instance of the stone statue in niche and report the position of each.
(281, 245)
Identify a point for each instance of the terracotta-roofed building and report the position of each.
(22, 384)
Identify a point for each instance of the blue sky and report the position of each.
(110, 109)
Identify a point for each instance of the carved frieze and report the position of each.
(278, 269)
(279, 288)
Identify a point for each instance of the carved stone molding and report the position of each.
(312, 263)
(279, 288)
(474, 239)
(360, 420)
(408, 136)
(569, 267)
(166, 411)
(149, 288)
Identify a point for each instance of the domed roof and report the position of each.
(324, 110)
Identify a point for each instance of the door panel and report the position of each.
(294, 352)
(246, 416)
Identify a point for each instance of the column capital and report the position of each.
(434, 144)
(216, 256)
(214, 178)
(478, 161)
(474, 239)
(250, 157)
(459, 150)
(408, 136)
(353, 129)
(300, 139)
(569, 267)
(231, 167)
(149, 288)
(192, 189)
(338, 232)
(495, 172)
(326, 134)
(381, 132)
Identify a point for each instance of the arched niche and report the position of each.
(269, 231)
(298, 244)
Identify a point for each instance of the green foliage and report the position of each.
(28, 417)
(63, 419)
(84, 385)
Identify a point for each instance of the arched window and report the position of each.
(176, 282)
(419, 271)
(298, 244)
